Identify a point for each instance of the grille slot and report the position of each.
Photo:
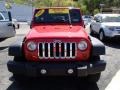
(46, 49)
(51, 50)
(62, 50)
(73, 49)
(57, 50)
(68, 50)
(41, 50)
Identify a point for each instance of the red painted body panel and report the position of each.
(57, 31)
(63, 32)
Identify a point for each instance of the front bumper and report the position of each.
(36, 69)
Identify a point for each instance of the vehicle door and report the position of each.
(96, 24)
(5, 24)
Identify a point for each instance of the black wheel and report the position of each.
(91, 31)
(102, 36)
(94, 77)
(18, 26)
(20, 78)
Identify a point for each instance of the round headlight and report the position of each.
(82, 45)
(31, 46)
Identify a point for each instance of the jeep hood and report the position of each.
(57, 31)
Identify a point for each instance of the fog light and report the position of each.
(43, 71)
(70, 71)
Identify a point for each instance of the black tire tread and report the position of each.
(20, 78)
(94, 77)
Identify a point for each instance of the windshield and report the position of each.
(112, 19)
(57, 16)
(5, 14)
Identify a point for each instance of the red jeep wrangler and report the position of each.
(57, 45)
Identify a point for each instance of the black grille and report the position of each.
(57, 50)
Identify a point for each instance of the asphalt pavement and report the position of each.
(108, 79)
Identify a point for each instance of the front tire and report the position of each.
(18, 26)
(20, 78)
(94, 77)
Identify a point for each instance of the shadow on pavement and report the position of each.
(54, 84)
(2, 48)
(2, 39)
(113, 43)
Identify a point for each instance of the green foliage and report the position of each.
(49, 3)
(96, 11)
(87, 6)
(8, 6)
(19, 1)
(84, 9)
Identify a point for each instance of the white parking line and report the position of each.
(115, 83)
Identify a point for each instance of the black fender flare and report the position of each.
(16, 48)
(98, 48)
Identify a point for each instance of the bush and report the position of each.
(96, 11)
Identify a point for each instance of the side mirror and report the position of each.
(10, 17)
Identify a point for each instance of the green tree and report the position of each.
(87, 6)
(20, 1)
(96, 11)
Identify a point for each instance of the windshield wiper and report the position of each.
(70, 22)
